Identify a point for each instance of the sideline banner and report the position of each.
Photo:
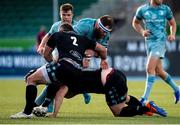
(128, 56)
(18, 63)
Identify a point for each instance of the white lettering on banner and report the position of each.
(28, 61)
(6, 61)
(130, 63)
(171, 46)
(124, 63)
(134, 46)
(142, 47)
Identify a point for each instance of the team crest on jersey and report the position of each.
(154, 16)
(161, 13)
(146, 14)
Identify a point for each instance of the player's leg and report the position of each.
(168, 79)
(116, 95)
(40, 99)
(150, 77)
(86, 62)
(31, 91)
(87, 98)
(42, 110)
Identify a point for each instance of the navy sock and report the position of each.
(170, 82)
(31, 93)
(130, 111)
(134, 101)
(51, 92)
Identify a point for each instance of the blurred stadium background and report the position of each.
(20, 21)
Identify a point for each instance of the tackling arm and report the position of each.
(48, 54)
(42, 44)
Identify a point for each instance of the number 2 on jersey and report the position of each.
(74, 40)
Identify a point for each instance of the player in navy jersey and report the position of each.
(98, 30)
(66, 15)
(71, 49)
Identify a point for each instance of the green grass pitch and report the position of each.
(74, 111)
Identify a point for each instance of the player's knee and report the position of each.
(117, 108)
(28, 74)
(150, 70)
(160, 72)
(116, 114)
(29, 80)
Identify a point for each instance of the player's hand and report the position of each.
(145, 33)
(171, 37)
(104, 64)
(41, 50)
(86, 62)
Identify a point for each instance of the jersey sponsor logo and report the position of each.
(76, 54)
(154, 21)
(154, 16)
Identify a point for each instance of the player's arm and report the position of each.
(137, 26)
(42, 44)
(102, 52)
(172, 24)
(48, 54)
(49, 47)
(45, 39)
(59, 99)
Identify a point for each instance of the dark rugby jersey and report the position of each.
(70, 45)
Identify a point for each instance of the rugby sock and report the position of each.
(170, 82)
(149, 83)
(40, 99)
(134, 101)
(130, 111)
(51, 92)
(31, 93)
(46, 102)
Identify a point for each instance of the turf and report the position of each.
(74, 110)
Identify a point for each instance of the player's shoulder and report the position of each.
(164, 6)
(87, 20)
(57, 34)
(143, 6)
(56, 24)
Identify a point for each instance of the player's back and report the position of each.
(71, 45)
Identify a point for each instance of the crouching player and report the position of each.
(111, 83)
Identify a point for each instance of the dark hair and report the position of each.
(66, 27)
(66, 7)
(107, 20)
